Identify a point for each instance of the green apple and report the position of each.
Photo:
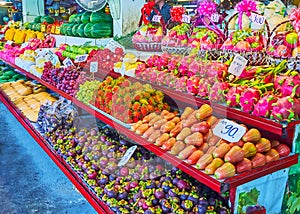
(292, 38)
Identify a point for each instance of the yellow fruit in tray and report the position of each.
(118, 65)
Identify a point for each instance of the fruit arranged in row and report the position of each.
(143, 185)
(72, 51)
(127, 101)
(8, 75)
(190, 137)
(86, 91)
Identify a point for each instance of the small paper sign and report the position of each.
(156, 18)
(68, 62)
(186, 18)
(127, 156)
(237, 65)
(215, 17)
(93, 67)
(24, 45)
(81, 58)
(52, 57)
(9, 42)
(229, 130)
(257, 21)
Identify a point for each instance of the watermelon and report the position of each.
(100, 16)
(72, 18)
(47, 19)
(30, 26)
(88, 30)
(99, 30)
(63, 28)
(85, 17)
(75, 30)
(37, 19)
(80, 30)
(78, 18)
(69, 29)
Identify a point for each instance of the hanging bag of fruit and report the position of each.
(249, 38)
(150, 33)
(285, 45)
(176, 40)
(207, 40)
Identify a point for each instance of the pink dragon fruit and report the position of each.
(181, 84)
(161, 78)
(153, 75)
(204, 87)
(140, 69)
(264, 106)
(192, 85)
(170, 80)
(286, 109)
(248, 99)
(161, 63)
(173, 66)
(194, 68)
(233, 95)
(151, 60)
(288, 85)
(217, 91)
(217, 70)
(183, 69)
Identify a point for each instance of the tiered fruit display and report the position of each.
(63, 78)
(127, 101)
(190, 137)
(27, 96)
(148, 34)
(177, 36)
(142, 185)
(90, 25)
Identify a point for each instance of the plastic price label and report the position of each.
(43, 28)
(156, 18)
(229, 130)
(68, 62)
(215, 17)
(81, 58)
(9, 42)
(52, 57)
(24, 45)
(237, 65)
(186, 18)
(127, 156)
(93, 67)
(257, 21)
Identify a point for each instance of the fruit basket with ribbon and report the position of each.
(285, 45)
(248, 42)
(176, 40)
(150, 34)
(207, 39)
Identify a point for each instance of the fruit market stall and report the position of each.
(209, 126)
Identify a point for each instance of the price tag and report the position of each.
(81, 58)
(9, 42)
(57, 30)
(215, 17)
(93, 67)
(24, 45)
(127, 156)
(229, 130)
(237, 65)
(186, 18)
(68, 62)
(257, 21)
(52, 57)
(156, 18)
(43, 28)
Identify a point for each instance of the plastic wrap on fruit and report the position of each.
(245, 7)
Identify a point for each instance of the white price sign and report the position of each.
(237, 65)
(215, 17)
(52, 57)
(127, 156)
(186, 18)
(93, 67)
(229, 130)
(24, 45)
(81, 58)
(68, 62)
(156, 18)
(257, 21)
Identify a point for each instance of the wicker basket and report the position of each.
(292, 62)
(254, 57)
(147, 46)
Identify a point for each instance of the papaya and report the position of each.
(186, 152)
(164, 112)
(204, 147)
(170, 116)
(154, 136)
(258, 160)
(176, 120)
(240, 143)
(252, 135)
(212, 141)
(202, 127)
(235, 154)
(183, 134)
(249, 149)
(272, 155)
(142, 129)
(135, 126)
(159, 123)
(195, 139)
(177, 147)
(148, 133)
(204, 161)
(204, 111)
(243, 165)
(263, 145)
(213, 166)
(167, 127)
(154, 120)
(149, 117)
(210, 150)
(177, 129)
(221, 150)
(211, 120)
(160, 140)
(194, 157)
(189, 121)
(187, 111)
(225, 171)
(167, 145)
